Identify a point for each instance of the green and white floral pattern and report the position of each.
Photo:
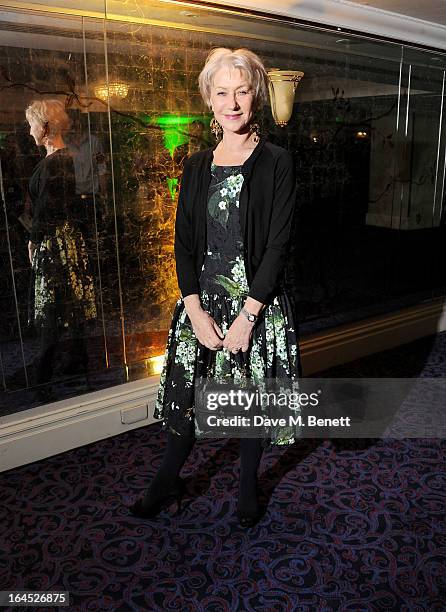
(273, 352)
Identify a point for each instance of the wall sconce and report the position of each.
(116, 89)
(282, 87)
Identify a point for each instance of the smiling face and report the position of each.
(232, 99)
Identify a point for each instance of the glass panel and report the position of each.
(344, 135)
(368, 137)
(101, 216)
(142, 65)
(61, 335)
(37, 61)
(417, 200)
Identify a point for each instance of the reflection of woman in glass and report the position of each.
(63, 293)
(235, 318)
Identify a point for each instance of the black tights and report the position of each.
(45, 358)
(179, 447)
(250, 454)
(50, 342)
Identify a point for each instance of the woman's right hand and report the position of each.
(206, 330)
(31, 249)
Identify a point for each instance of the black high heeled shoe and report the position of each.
(249, 519)
(176, 493)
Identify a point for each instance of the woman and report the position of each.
(62, 289)
(232, 229)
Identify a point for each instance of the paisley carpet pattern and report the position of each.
(352, 525)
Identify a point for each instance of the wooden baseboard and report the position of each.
(354, 340)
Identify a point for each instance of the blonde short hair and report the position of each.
(50, 112)
(242, 58)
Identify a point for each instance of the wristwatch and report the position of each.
(251, 317)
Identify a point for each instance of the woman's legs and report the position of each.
(49, 339)
(178, 449)
(250, 455)
(76, 349)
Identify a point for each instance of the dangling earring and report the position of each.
(254, 128)
(216, 129)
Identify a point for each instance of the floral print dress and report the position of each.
(62, 290)
(273, 352)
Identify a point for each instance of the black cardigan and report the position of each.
(52, 188)
(267, 205)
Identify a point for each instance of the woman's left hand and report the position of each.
(31, 249)
(238, 335)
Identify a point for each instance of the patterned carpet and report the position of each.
(347, 525)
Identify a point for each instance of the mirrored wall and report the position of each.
(367, 134)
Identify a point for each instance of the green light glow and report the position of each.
(175, 129)
(172, 186)
(175, 120)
